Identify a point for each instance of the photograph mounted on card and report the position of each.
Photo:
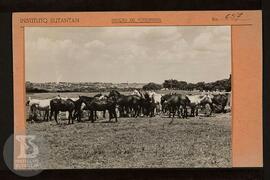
(137, 89)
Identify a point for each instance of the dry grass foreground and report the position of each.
(135, 143)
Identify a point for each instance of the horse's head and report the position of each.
(187, 100)
(164, 105)
(206, 99)
(112, 99)
(114, 93)
(147, 98)
(135, 92)
(28, 101)
(98, 95)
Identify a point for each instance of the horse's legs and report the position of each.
(70, 117)
(153, 112)
(128, 110)
(110, 115)
(138, 111)
(115, 115)
(185, 111)
(173, 111)
(104, 114)
(178, 111)
(40, 115)
(77, 114)
(48, 112)
(51, 114)
(120, 111)
(68, 114)
(212, 108)
(90, 115)
(135, 111)
(46, 115)
(55, 116)
(192, 111)
(96, 117)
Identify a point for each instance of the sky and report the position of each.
(127, 54)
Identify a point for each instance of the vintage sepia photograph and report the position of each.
(129, 96)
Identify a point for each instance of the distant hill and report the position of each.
(223, 85)
(80, 87)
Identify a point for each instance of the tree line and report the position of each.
(221, 85)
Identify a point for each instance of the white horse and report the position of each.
(157, 99)
(137, 93)
(102, 97)
(40, 105)
(197, 100)
(228, 106)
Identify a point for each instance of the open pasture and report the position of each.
(141, 142)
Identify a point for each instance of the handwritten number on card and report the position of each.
(234, 16)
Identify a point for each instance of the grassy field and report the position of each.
(134, 142)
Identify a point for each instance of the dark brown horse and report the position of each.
(83, 100)
(127, 103)
(33, 112)
(219, 102)
(164, 103)
(58, 105)
(102, 105)
(148, 105)
(175, 102)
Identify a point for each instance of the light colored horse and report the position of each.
(40, 105)
(157, 100)
(197, 100)
(43, 105)
(228, 106)
(137, 93)
(102, 97)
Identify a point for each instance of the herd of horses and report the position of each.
(138, 103)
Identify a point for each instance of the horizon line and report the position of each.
(121, 82)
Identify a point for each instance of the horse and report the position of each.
(127, 103)
(198, 100)
(148, 105)
(228, 106)
(219, 102)
(101, 97)
(97, 104)
(156, 98)
(65, 98)
(41, 105)
(34, 112)
(175, 101)
(80, 105)
(163, 102)
(58, 105)
(137, 93)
